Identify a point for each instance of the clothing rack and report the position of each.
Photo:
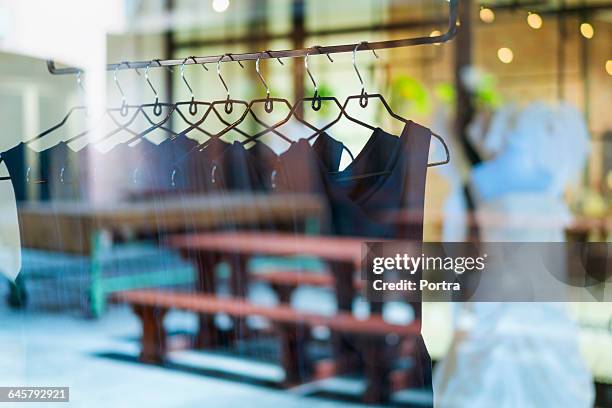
(252, 56)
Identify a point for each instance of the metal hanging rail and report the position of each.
(253, 56)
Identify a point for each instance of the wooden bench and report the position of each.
(151, 306)
(342, 256)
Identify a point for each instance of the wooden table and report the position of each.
(42, 222)
(579, 228)
(85, 228)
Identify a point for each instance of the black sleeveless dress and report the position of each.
(357, 205)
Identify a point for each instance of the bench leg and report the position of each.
(343, 344)
(153, 340)
(293, 357)
(377, 371)
(283, 292)
(239, 287)
(207, 336)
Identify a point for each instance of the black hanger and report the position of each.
(228, 107)
(66, 117)
(315, 103)
(213, 107)
(124, 111)
(364, 97)
(268, 102)
(157, 109)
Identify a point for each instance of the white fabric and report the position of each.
(522, 354)
(10, 243)
(515, 354)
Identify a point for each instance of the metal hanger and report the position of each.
(232, 126)
(193, 104)
(315, 103)
(268, 102)
(172, 107)
(228, 107)
(364, 97)
(66, 117)
(123, 111)
(157, 110)
(228, 104)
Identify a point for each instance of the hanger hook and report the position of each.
(314, 83)
(261, 78)
(157, 108)
(123, 110)
(316, 98)
(362, 100)
(82, 88)
(80, 81)
(149, 81)
(193, 108)
(185, 79)
(268, 105)
(229, 106)
(221, 77)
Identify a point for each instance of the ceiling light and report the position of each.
(220, 5)
(587, 30)
(534, 20)
(505, 55)
(487, 15)
(609, 67)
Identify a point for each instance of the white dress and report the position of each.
(521, 354)
(515, 354)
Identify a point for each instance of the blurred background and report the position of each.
(522, 96)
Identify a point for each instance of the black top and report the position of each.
(358, 205)
(57, 178)
(17, 167)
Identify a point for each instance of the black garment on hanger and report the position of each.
(56, 178)
(16, 163)
(357, 205)
(172, 163)
(59, 177)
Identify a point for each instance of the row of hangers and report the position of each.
(193, 106)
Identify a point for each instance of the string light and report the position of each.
(609, 67)
(534, 20)
(487, 15)
(505, 55)
(587, 30)
(220, 5)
